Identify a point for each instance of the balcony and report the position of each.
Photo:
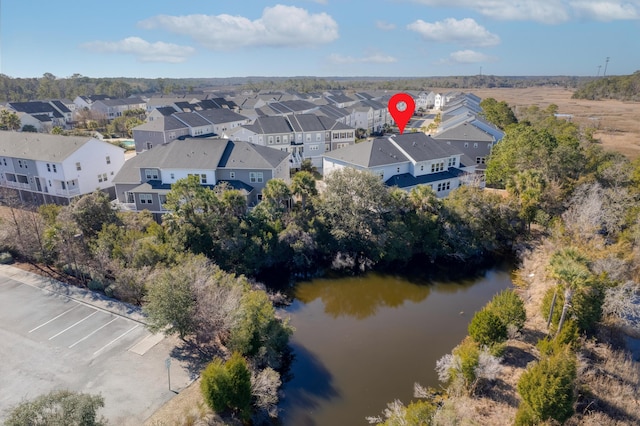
(67, 192)
(17, 185)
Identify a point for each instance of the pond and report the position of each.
(361, 342)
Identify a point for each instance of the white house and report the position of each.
(405, 161)
(54, 168)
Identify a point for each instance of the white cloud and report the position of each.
(385, 26)
(277, 27)
(545, 11)
(469, 57)
(466, 32)
(377, 58)
(143, 50)
(606, 10)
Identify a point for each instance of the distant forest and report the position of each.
(622, 87)
(51, 87)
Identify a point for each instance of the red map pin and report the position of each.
(401, 106)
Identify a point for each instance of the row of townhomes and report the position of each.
(244, 140)
(55, 169)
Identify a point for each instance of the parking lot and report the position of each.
(50, 339)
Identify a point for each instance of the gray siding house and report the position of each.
(144, 180)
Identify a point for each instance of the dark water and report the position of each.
(361, 342)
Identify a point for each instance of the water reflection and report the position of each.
(361, 297)
(361, 342)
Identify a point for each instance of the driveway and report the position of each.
(58, 337)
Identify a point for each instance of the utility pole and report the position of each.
(606, 62)
(598, 75)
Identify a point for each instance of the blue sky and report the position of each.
(216, 38)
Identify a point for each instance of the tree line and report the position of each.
(622, 88)
(579, 277)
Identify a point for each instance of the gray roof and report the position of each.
(187, 154)
(191, 119)
(406, 180)
(245, 155)
(270, 125)
(162, 124)
(332, 111)
(35, 107)
(465, 132)
(331, 124)
(382, 151)
(289, 107)
(60, 106)
(421, 147)
(121, 102)
(40, 146)
(378, 152)
(221, 115)
(339, 98)
(201, 153)
(166, 110)
(306, 123)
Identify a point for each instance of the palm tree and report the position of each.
(569, 267)
(303, 184)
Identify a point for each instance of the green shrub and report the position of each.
(568, 338)
(468, 354)
(546, 305)
(487, 328)
(95, 285)
(6, 258)
(587, 307)
(227, 386)
(509, 307)
(547, 389)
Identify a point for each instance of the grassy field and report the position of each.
(617, 123)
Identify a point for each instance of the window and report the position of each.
(149, 145)
(203, 178)
(398, 170)
(479, 160)
(145, 198)
(4, 160)
(285, 139)
(475, 145)
(151, 174)
(313, 148)
(173, 176)
(452, 162)
(99, 178)
(308, 138)
(232, 175)
(78, 167)
(270, 140)
(318, 137)
(108, 160)
(327, 135)
(49, 183)
(489, 146)
(422, 167)
(466, 144)
(48, 166)
(260, 139)
(20, 163)
(437, 167)
(277, 139)
(53, 166)
(104, 177)
(255, 177)
(299, 137)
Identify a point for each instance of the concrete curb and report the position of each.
(80, 295)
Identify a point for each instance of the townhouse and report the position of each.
(144, 180)
(406, 161)
(47, 168)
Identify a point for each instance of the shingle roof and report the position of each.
(192, 119)
(407, 179)
(378, 152)
(166, 111)
(332, 111)
(39, 146)
(221, 115)
(187, 154)
(465, 132)
(306, 123)
(269, 125)
(288, 107)
(245, 155)
(34, 107)
(162, 124)
(421, 147)
(201, 153)
(61, 106)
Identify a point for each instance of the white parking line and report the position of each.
(71, 326)
(93, 332)
(53, 319)
(116, 339)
